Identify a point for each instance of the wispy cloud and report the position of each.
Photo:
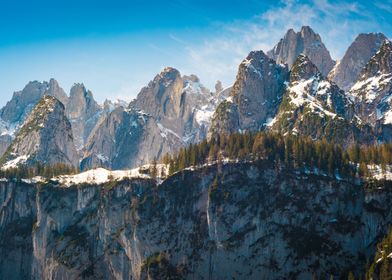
(337, 22)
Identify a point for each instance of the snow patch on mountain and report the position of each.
(102, 176)
(15, 162)
(372, 86)
(299, 95)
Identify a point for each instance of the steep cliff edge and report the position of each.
(241, 220)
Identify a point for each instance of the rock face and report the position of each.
(316, 107)
(128, 138)
(14, 113)
(346, 71)
(22, 102)
(259, 222)
(83, 112)
(254, 98)
(171, 112)
(372, 92)
(306, 42)
(45, 137)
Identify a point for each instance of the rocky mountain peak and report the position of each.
(307, 32)
(45, 137)
(168, 75)
(192, 78)
(218, 86)
(162, 96)
(254, 97)
(381, 62)
(83, 112)
(303, 69)
(305, 41)
(373, 91)
(17, 109)
(55, 90)
(347, 70)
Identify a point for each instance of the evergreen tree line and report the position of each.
(292, 151)
(24, 172)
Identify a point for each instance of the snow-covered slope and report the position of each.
(315, 106)
(372, 93)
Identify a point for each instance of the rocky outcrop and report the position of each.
(83, 112)
(254, 97)
(315, 107)
(22, 102)
(171, 112)
(14, 113)
(372, 93)
(346, 71)
(305, 42)
(45, 137)
(257, 222)
(128, 138)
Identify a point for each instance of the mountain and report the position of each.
(128, 138)
(347, 70)
(45, 137)
(307, 42)
(372, 93)
(254, 97)
(19, 107)
(238, 220)
(316, 107)
(13, 114)
(171, 112)
(83, 112)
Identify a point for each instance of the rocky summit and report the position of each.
(45, 137)
(347, 70)
(171, 112)
(254, 97)
(373, 91)
(307, 42)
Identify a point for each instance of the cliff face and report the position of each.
(347, 70)
(307, 42)
(83, 112)
(171, 112)
(45, 137)
(257, 222)
(254, 97)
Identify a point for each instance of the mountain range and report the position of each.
(294, 88)
(286, 174)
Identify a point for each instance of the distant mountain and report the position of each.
(347, 70)
(45, 137)
(171, 112)
(14, 113)
(19, 107)
(83, 112)
(307, 42)
(254, 98)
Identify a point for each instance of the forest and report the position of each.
(290, 150)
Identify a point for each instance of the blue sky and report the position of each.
(115, 47)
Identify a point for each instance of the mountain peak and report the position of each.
(380, 63)
(307, 30)
(305, 41)
(303, 69)
(358, 54)
(169, 72)
(45, 137)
